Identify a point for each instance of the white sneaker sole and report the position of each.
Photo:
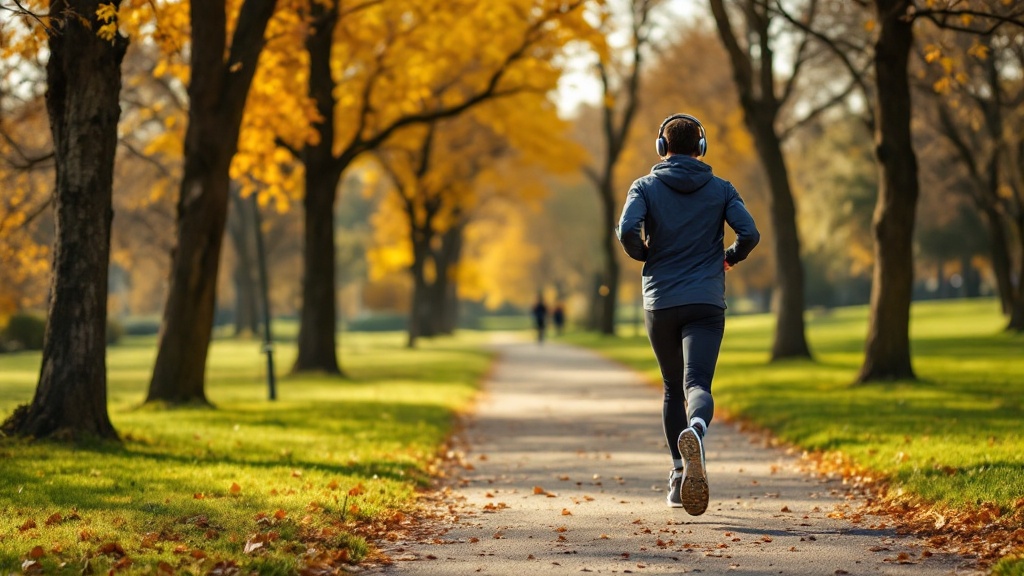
(694, 489)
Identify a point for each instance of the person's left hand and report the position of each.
(727, 266)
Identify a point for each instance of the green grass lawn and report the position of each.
(252, 482)
(956, 437)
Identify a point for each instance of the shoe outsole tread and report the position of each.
(694, 492)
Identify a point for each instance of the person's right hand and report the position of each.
(727, 266)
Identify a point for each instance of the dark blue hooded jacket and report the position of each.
(682, 208)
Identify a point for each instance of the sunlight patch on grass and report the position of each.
(193, 486)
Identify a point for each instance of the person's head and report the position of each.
(681, 134)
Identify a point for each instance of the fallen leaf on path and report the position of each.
(785, 509)
(28, 525)
(539, 490)
(566, 512)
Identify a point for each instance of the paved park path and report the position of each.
(566, 473)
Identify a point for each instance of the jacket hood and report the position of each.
(683, 174)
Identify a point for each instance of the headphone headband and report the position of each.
(661, 145)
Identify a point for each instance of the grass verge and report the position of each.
(954, 438)
(268, 487)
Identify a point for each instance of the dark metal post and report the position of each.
(268, 341)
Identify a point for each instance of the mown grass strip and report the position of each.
(250, 483)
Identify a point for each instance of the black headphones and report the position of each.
(661, 145)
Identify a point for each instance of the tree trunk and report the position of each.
(82, 99)
(241, 228)
(790, 339)
(1001, 266)
(317, 328)
(608, 292)
(217, 93)
(1016, 323)
(318, 340)
(451, 250)
(887, 349)
(419, 312)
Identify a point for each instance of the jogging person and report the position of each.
(673, 221)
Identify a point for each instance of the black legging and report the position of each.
(686, 340)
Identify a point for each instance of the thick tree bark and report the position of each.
(1000, 254)
(419, 312)
(82, 99)
(761, 106)
(217, 94)
(887, 349)
(608, 292)
(318, 319)
(241, 227)
(317, 329)
(790, 339)
(451, 253)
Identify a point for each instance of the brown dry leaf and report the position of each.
(603, 536)
(280, 514)
(538, 490)
(28, 525)
(563, 478)
(54, 518)
(296, 473)
(199, 496)
(36, 553)
(235, 488)
(164, 568)
(766, 538)
(356, 490)
(474, 539)
(180, 549)
(332, 485)
(112, 549)
(785, 509)
(566, 512)
(122, 564)
(197, 554)
(85, 535)
(561, 529)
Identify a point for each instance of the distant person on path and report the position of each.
(673, 221)
(558, 317)
(540, 317)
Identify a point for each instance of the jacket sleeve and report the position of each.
(630, 231)
(742, 223)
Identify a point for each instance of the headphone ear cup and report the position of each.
(703, 146)
(661, 146)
